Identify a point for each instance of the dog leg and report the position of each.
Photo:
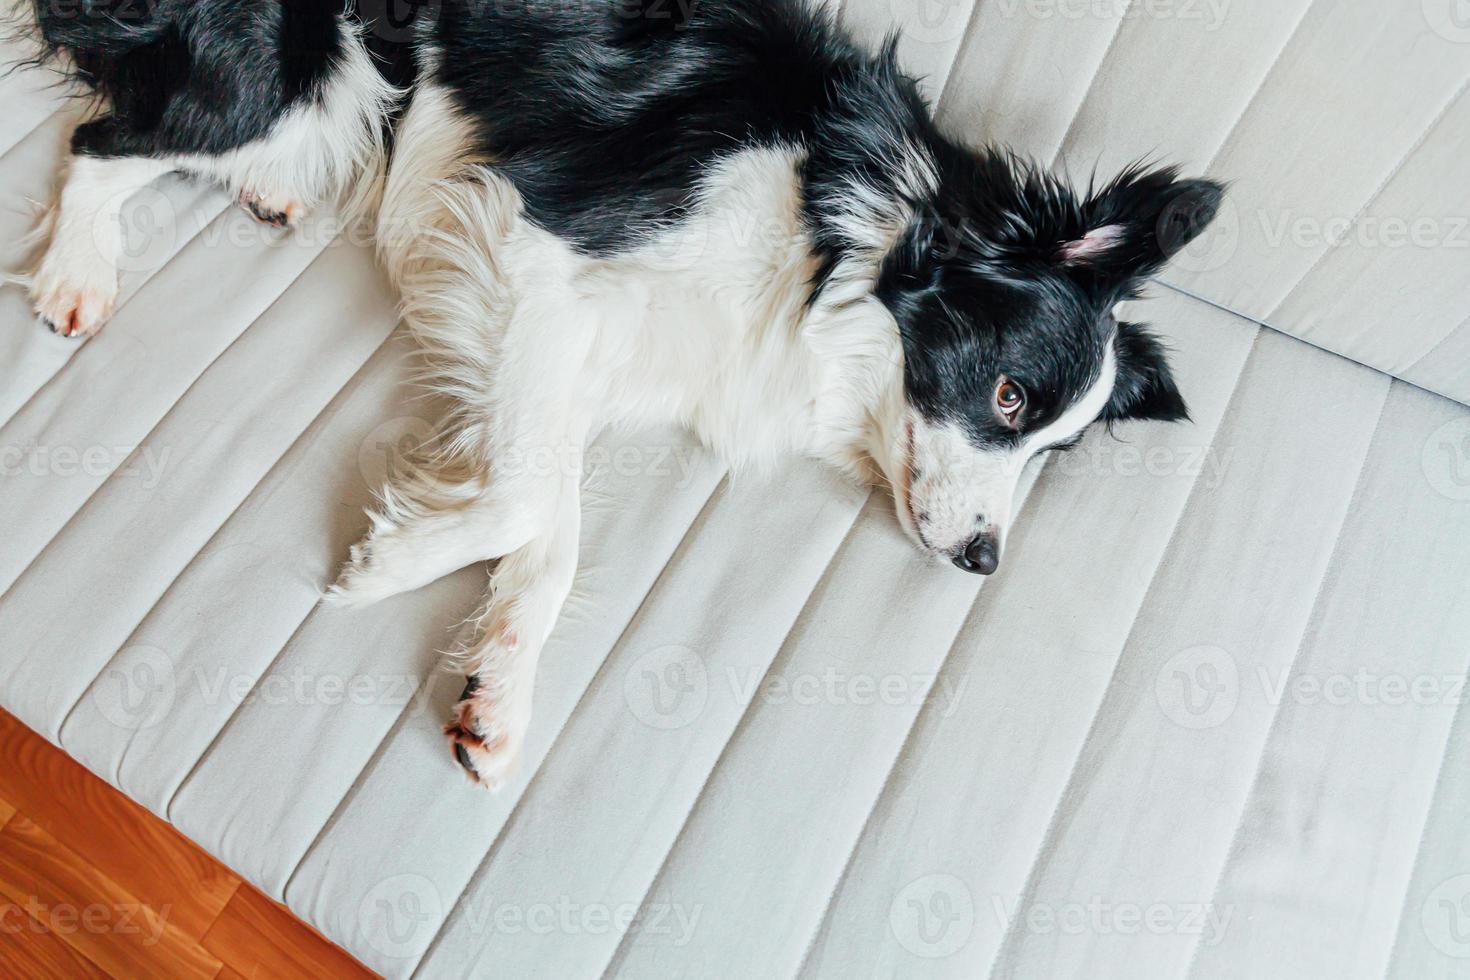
(528, 515)
(528, 589)
(509, 349)
(75, 285)
(539, 438)
(427, 527)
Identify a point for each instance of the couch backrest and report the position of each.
(1342, 125)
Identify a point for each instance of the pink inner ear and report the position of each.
(1092, 245)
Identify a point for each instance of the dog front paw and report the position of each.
(487, 732)
(73, 299)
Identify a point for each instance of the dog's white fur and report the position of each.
(953, 484)
(326, 149)
(75, 285)
(539, 347)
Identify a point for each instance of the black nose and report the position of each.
(981, 555)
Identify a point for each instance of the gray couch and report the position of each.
(1205, 722)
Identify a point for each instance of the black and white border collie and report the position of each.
(613, 212)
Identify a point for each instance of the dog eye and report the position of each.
(1010, 398)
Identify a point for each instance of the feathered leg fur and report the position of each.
(503, 482)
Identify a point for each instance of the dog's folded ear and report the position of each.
(911, 269)
(1145, 388)
(1139, 221)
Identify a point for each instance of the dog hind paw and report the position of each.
(486, 740)
(278, 212)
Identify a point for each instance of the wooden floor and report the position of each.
(93, 885)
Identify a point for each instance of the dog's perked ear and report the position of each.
(1144, 389)
(1139, 221)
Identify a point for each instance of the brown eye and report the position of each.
(1010, 398)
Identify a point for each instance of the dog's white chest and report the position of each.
(706, 322)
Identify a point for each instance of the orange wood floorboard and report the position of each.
(160, 905)
(30, 950)
(90, 912)
(143, 854)
(262, 939)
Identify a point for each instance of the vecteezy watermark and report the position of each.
(1362, 686)
(670, 686)
(136, 690)
(1445, 917)
(933, 917)
(397, 21)
(667, 687)
(1446, 459)
(1209, 14)
(129, 462)
(1275, 230)
(386, 453)
(563, 916)
(1202, 686)
(124, 12)
(657, 460)
(931, 21)
(399, 915)
(838, 687)
(1450, 19)
(139, 688)
(1212, 249)
(1198, 687)
(30, 914)
(150, 230)
(1103, 457)
(678, 246)
(1099, 917)
(1280, 228)
(296, 686)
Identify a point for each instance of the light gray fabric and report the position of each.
(1204, 723)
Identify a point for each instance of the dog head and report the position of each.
(1003, 292)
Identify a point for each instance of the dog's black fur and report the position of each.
(985, 281)
(606, 115)
(202, 76)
